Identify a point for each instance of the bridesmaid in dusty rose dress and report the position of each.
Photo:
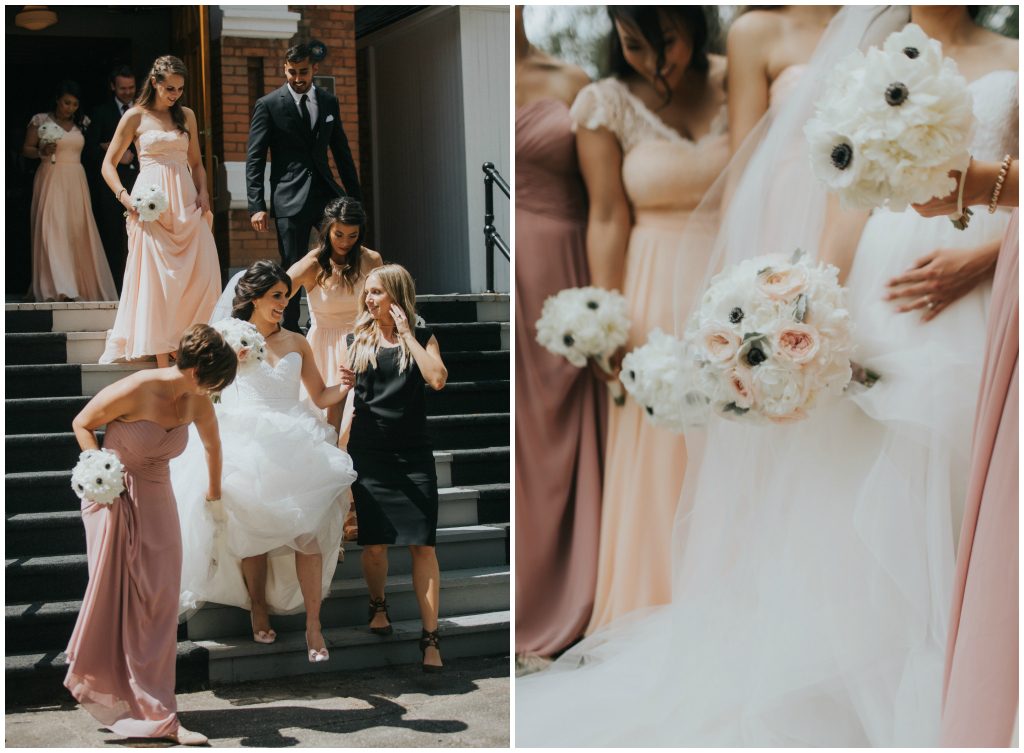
(121, 657)
(651, 140)
(559, 408)
(68, 262)
(172, 274)
(980, 693)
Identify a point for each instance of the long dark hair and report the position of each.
(701, 22)
(260, 277)
(164, 66)
(67, 86)
(347, 211)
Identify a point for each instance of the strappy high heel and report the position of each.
(431, 638)
(380, 605)
(262, 636)
(317, 655)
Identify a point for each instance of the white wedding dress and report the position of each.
(814, 561)
(283, 491)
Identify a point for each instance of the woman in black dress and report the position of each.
(396, 492)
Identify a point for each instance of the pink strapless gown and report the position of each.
(982, 654)
(172, 274)
(67, 254)
(332, 315)
(121, 657)
(559, 421)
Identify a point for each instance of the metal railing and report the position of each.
(492, 239)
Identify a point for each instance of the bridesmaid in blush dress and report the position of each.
(68, 262)
(559, 408)
(121, 657)
(980, 692)
(651, 140)
(172, 274)
(333, 274)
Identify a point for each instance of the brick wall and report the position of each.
(242, 61)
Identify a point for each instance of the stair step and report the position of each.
(469, 431)
(240, 660)
(462, 592)
(37, 678)
(472, 336)
(43, 381)
(50, 490)
(38, 626)
(64, 577)
(475, 365)
(37, 534)
(494, 503)
(54, 347)
(99, 316)
(32, 415)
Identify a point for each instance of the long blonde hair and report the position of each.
(367, 340)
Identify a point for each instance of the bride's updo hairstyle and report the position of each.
(398, 284)
(164, 66)
(215, 362)
(260, 277)
(698, 22)
(347, 211)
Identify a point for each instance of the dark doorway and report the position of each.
(84, 45)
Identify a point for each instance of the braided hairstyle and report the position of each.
(163, 67)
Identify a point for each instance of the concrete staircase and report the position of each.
(51, 371)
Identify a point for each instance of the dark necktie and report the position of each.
(305, 112)
(122, 108)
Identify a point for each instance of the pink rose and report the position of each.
(798, 342)
(719, 343)
(740, 387)
(782, 283)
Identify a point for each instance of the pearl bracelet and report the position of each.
(998, 187)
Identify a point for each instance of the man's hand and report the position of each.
(259, 221)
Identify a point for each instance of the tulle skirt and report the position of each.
(283, 491)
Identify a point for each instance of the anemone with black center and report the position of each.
(592, 305)
(911, 52)
(736, 315)
(896, 94)
(568, 340)
(841, 156)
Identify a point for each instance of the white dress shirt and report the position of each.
(311, 105)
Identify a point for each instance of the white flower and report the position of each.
(150, 203)
(50, 133)
(786, 345)
(582, 323)
(98, 477)
(658, 376)
(892, 124)
(243, 337)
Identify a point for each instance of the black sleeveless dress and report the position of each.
(396, 492)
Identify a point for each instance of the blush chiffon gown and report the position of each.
(172, 274)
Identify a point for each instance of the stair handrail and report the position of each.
(492, 238)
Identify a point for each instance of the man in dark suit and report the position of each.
(108, 210)
(297, 123)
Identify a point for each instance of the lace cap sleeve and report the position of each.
(598, 105)
(37, 120)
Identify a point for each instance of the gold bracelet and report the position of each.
(998, 187)
(123, 190)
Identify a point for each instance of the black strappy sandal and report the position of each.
(431, 638)
(380, 605)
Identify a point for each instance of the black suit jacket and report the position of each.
(297, 155)
(105, 118)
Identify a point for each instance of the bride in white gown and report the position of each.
(284, 479)
(814, 561)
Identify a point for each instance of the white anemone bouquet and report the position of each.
(150, 203)
(50, 133)
(98, 477)
(584, 323)
(892, 123)
(658, 377)
(243, 337)
(770, 339)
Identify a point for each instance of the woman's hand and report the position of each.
(348, 377)
(47, 148)
(125, 200)
(401, 322)
(614, 362)
(938, 279)
(203, 201)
